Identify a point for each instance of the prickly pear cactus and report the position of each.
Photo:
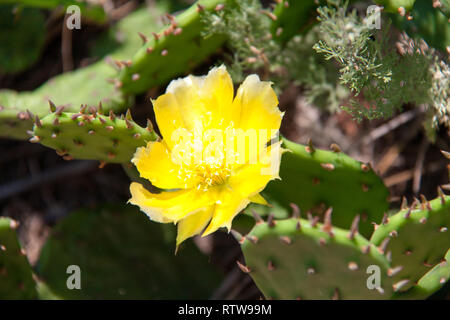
(288, 14)
(416, 239)
(396, 6)
(14, 122)
(175, 50)
(123, 256)
(301, 259)
(91, 88)
(89, 85)
(316, 179)
(431, 282)
(296, 258)
(91, 135)
(16, 279)
(428, 23)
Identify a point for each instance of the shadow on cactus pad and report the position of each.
(316, 179)
(123, 255)
(297, 259)
(16, 280)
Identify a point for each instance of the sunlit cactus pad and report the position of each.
(297, 259)
(417, 238)
(317, 179)
(89, 85)
(176, 49)
(123, 256)
(16, 279)
(14, 122)
(289, 13)
(90, 135)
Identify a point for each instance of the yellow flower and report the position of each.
(214, 158)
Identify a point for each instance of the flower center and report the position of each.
(204, 169)
(212, 174)
(208, 173)
(205, 159)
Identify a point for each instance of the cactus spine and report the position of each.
(89, 134)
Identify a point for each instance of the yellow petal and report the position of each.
(189, 103)
(195, 103)
(270, 158)
(168, 117)
(248, 146)
(154, 163)
(217, 91)
(257, 104)
(171, 206)
(139, 196)
(193, 224)
(244, 186)
(259, 199)
(206, 98)
(225, 211)
(250, 179)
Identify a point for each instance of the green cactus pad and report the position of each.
(89, 85)
(430, 283)
(290, 259)
(16, 280)
(317, 179)
(22, 35)
(427, 23)
(13, 122)
(395, 6)
(91, 135)
(175, 50)
(416, 238)
(123, 255)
